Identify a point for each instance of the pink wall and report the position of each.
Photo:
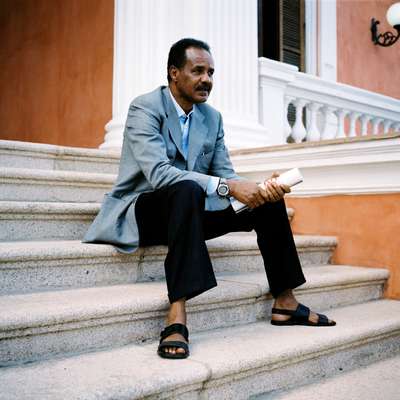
(359, 62)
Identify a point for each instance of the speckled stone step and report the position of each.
(52, 157)
(35, 220)
(22, 184)
(39, 325)
(228, 363)
(37, 266)
(379, 380)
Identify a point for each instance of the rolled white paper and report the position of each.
(289, 178)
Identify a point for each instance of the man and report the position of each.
(174, 187)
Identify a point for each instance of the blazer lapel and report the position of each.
(173, 121)
(197, 135)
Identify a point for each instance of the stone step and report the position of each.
(36, 220)
(22, 184)
(230, 363)
(52, 157)
(45, 220)
(47, 324)
(39, 266)
(379, 380)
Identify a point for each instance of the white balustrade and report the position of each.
(353, 123)
(364, 124)
(375, 125)
(386, 126)
(299, 131)
(329, 115)
(341, 114)
(334, 110)
(313, 133)
(287, 127)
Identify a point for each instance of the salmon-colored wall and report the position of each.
(359, 62)
(56, 59)
(367, 228)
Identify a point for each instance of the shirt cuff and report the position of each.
(212, 185)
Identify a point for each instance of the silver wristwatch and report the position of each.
(223, 188)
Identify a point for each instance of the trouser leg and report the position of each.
(174, 216)
(274, 238)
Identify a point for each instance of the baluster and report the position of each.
(299, 131)
(328, 131)
(287, 127)
(364, 124)
(313, 133)
(353, 120)
(375, 125)
(386, 126)
(341, 114)
(396, 128)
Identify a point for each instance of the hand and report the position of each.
(248, 192)
(275, 191)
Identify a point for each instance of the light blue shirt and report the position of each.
(184, 120)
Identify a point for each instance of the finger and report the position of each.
(278, 189)
(275, 174)
(273, 193)
(286, 188)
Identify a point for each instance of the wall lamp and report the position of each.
(388, 38)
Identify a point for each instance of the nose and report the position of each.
(205, 78)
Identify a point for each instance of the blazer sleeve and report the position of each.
(221, 164)
(146, 144)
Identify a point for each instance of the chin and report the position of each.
(201, 99)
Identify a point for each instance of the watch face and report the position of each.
(223, 190)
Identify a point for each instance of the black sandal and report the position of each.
(300, 316)
(170, 330)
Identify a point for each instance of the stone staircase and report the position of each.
(81, 321)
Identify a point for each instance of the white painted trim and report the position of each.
(345, 168)
(327, 29)
(311, 34)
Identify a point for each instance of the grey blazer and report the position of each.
(152, 158)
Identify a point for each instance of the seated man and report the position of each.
(174, 187)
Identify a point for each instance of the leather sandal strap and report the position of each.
(282, 311)
(302, 312)
(175, 328)
(323, 319)
(174, 343)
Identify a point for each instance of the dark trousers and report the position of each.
(175, 216)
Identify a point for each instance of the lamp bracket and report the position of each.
(383, 39)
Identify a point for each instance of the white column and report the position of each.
(327, 40)
(311, 32)
(145, 30)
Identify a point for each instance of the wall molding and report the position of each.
(358, 167)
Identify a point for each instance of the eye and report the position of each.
(211, 72)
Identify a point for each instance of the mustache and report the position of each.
(204, 87)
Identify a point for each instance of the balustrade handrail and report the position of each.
(331, 109)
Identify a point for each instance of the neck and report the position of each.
(187, 106)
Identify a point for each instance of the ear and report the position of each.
(173, 73)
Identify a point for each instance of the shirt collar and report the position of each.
(178, 108)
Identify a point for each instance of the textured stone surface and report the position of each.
(230, 363)
(41, 324)
(52, 157)
(45, 220)
(19, 184)
(30, 266)
(379, 380)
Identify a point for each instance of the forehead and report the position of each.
(195, 56)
